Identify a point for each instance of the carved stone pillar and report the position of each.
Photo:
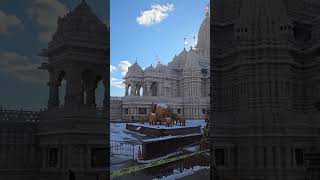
(53, 91)
(91, 101)
(82, 92)
(126, 92)
(148, 89)
(138, 90)
(145, 90)
(90, 87)
(133, 89)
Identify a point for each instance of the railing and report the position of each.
(19, 115)
(124, 148)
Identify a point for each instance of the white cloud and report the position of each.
(8, 21)
(113, 68)
(123, 68)
(46, 13)
(155, 15)
(124, 65)
(118, 83)
(21, 67)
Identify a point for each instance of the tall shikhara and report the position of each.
(265, 66)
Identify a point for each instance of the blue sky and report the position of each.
(25, 28)
(148, 31)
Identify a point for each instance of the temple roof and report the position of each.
(135, 70)
(80, 26)
(192, 62)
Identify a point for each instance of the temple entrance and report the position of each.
(92, 89)
(153, 89)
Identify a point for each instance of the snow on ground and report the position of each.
(186, 172)
(118, 132)
(200, 122)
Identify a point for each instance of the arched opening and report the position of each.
(129, 89)
(153, 89)
(92, 89)
(62, 83)
(137, 90)
(141, 91)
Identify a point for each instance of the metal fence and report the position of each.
(124, 148)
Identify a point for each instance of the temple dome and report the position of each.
(135, 70)
(203, 44)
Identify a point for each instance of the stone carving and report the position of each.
(263, 60)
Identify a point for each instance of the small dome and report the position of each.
(135, 70)
(149, 71)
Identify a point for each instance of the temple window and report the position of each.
(220, 157)
(142, 110)
(299, 156)
(52, 157)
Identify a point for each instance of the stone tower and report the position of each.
(265, 83)
(73, 135)
(192, 74)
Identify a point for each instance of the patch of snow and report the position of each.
(162, 105)
(119, 158)
(138, 128)
(118, 132)
(192, 148)
(186, 172)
